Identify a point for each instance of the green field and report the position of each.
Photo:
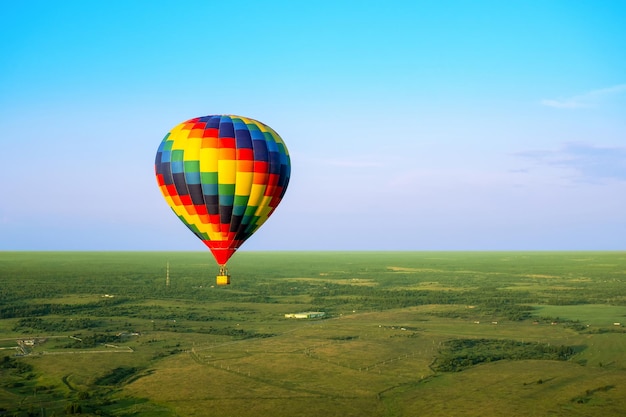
(405, 334)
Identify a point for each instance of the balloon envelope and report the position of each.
(223, 176)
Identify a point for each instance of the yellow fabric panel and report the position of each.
(178, 143)
(244, 183)
(227, 171)
(256, 193)
(176, 131)
(192, 149)
(264, 208)
(209, 229)
(208, 159)
(213, 231)
(179, 139)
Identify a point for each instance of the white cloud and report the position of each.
(588, 99)
(590, 162)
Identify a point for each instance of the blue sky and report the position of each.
(412, 125)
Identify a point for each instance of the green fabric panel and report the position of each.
(226, 189)
(177, 155)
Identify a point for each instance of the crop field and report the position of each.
(403, 334)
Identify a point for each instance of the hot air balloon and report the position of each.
(223, 176)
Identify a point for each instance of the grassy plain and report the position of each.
(541, 334)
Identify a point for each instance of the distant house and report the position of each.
(306, 315)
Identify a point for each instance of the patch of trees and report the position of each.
(601, 330)
(14, 365)
(92, 340)
(29, 310)
(511, 311)
(459, 354)
(343, 338)
(26, 325)
(160, 313)
(488, 301)
(587, 396)
(234, 332)
(382, 299)
(37, 310)
(117, 375)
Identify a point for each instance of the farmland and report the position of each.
(404, 333)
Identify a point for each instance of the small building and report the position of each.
(306, 315)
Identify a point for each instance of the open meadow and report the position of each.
(403, 334)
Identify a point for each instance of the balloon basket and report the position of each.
(223, 280)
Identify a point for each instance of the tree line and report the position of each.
(459, 354)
